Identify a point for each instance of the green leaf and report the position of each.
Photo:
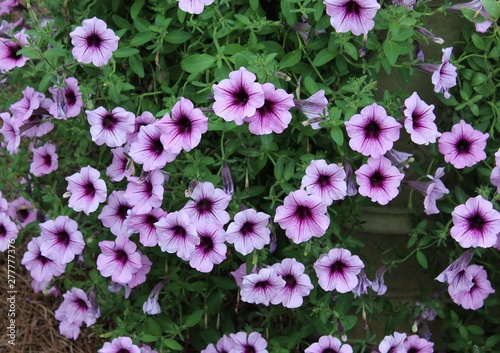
(349, 322)
(177, 37)
(422, 260)
(148, 338)
(478, 79)
(170, 343)
(136, 8)
(29, 52)
(136, 65)
(194, 318)
(478, 41)
(244, 20)
(54, 53)
(223, 283)
(278, 168)
(323, 57)
(463, 332)
(254, 4)
(154, 327)
(350, 49)
(125, 52)
(121, 22)
(492, 7)
(289, 170)
(197, 63)
(141, 24)
(475, 330)
(337, 135)
(142, 38)
(45, 82)
(291, 59)
(391, 51)
(492, 341)
(286, 7)
(343, 303)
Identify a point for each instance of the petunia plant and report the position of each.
(201, 175)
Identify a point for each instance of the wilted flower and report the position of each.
(477, 6)
(151, 305)
(444, 75)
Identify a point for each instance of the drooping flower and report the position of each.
(145, 193)
(432, 190)
(238, 97)
(11, 133)
(110, 128)
(261, 287)
(444, 75)
(455, 267)
(302, 216)
(349, 178)
(406, 3)
(244, 343)
(328, 344)
(45, 160)
(120, 345)
(475, 223)
(118, 168)
(379, 180)
(211, 250)
(372, 132)
(393, 343)
(338, 270)
(41, 268)
(415, 344)
(60, 239)
(177, 234)
(419, 122)
(480, 290)
(151, 305)
(325, 180)
(274, 115)
(119, 259)
(227, 179)
(352, 15)
(94, 42)
(22, 211)
(378, 284)
(68, 101)
(208, 205)
(194, 6)
(9, 58)
(297, 283)
(116, 288)
(462, 282)
(224, 345)
(477, 6)
(314, 108)
(399, 159)
(87, 190)
(43, 287)
(145, 225)
(463, 146)
(114, 214)
(185, 128)
(8, 231)
(249, 231)
(363, 284)
(305, 31)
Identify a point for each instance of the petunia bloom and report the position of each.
(475, 223)
(393, 343)
(455, 267)
(194, 6)
(212, 248)
(145, 225)
(372, 132)
(244, 343)
(495, 173)
(378, 284)
(325, 180)
(415, 344)
(120, 345)
(352, 15)
(474, 297)
(477, 6)
(314, 108)
(151, 305)
(208, 205)
(224, 345)
(11, 133)
(119, 259)
(328, 344)
(338, 270)
(444, 75)
(261, 287)
(146, 193)
(22, 211)
(41, 268)
(87, 190)
(9, 58)
(45, 160)
(177, 234)
(297, 283)
(8, 232)
(68, 101)
(249, 231)
(94, 42)
(60, 240)
(114, 214)
(110, 128)
(419, 122)
(119, 166)
(463, 146)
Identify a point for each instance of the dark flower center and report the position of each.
(13, 49)
(184, 124)
(204, 205)
(122, 211)
(267, 108)
(377, 179)
(151, 220)
(290, 280)
(179, 231)
(249, 349)
(303, 212)
(463, 146)
(94, 40)
(157, 146)
(70, 96)
(121, 256)
(337, 267)
(206, 244)
(352, 7)
(47, 160)
(22, 214)
(63, 237)
(3, 231)
(323, 180)
(81, 304)
(43, 260)
(476, 222)
(262, 284)
(108, 121)
(241, 96)
(123, 350)
(372, 130)
(148, 188)
(328, 350)
(412, 350)
(89, 189)
(416, 120)
(247, 228)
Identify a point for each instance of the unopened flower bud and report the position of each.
(282, 76)
(192, 185)
(227, 180)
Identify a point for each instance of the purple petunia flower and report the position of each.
(227, 179)
(8, 232)
(209, 204)
(224, 345)
(314, 108)
(393, 343)
(108, 128)
(274, 115)
(68, 101)
(145, 225)
(475, 223)
(114, 214)
(372, 132)
(139, 277)
(444, 76)
(177, 234)
(145, 193)
(379, 180)
(87, 190)
(419, 122)
(474, 297)
(432, 190)
(325, 180)
(495, 173)
(22, 211)
(244, 343)
(249, 231)
(399, 159)
(151, 305)
(349, 178)
(45, 160)
(118, 168)
(463, 146)
(76, 308)
(194, 6)
(297, 283)
(4, 205)
(302, 216)
(185, 128)
(460, 264)
(120, 345)
(262, 287)
(119, 259)
(144, 119)
(9, 58)
(60, 240)
(338, 270)
(7, 6)
(11, 133)
(352, 15)
(41, 268)
(23, 109)
(378, 284)
(415, 344)
(241, 272)
(94, 42)
(363, 284)
(238, 97)
(477, 6)
(328, 344)
(211, 250)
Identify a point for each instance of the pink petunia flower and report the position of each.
(241, 272)
(114, 214)
(238, 97)
(9, 58)
(8, 232)
(379, 180)
(177, 234)
(144, 119)
(328, 344)
(41, 268)
(419, 122)
(457, 266)
(108, 128)
(415, 344)
(474, 297)
(315, 108)
(94, 42)
(68, 101)
(338, 270)
(463, 146)
(249, 231)
(274, 115)
(211, 250)
(302, 216)
(186, 126)
(475, 223)
(325, 180)
(145, 193)
(87, 190)
(22, 211)
(60, 240)
(119, 259)
(297, 283)
(224, 345)
(352, 15)
(444, 75)
(244, 342)
(118, 168)
(7, 6)
(139, 277)
(23, 109)
(495, 173)
(208, 205)
(378, 284)
(373, 132)
(261, 287)
(76, 308)
(11, 133)
(393, 343)
(45, 160)
(120, 345)
(145, 225)
(194, 6)
(363, 284)
(39, 122)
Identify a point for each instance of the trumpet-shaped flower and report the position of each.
(249, 231)
(224, 345)
(244, 343)
(145, 193)
(9, 58)
(208, 205)
(474, 297)
(261, 287)
(110, 128)
(338, 270)
(419, 122)
(211, 250)
(114, 214)
(194, 6)
(120, 345)
(352, 15)
(325, 180)
(45, 160)
(119, 259)
(68, 101)
(393, 343)
(328, 344)
(8, 231)
(444, 75)
(41, 268)
(145, 225)
(177, 234)
(432, 190)
(297, 283)
(314, 108)
(60, 240)
(415, 344)
(87, 190)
